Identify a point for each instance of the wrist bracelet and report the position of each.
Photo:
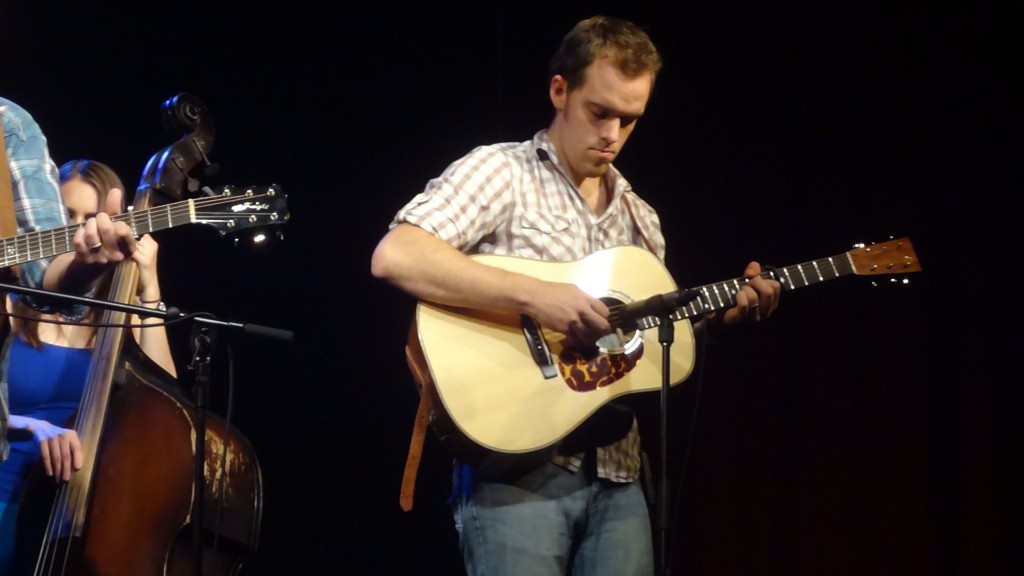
(159, 306)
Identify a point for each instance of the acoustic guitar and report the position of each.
(502, 384)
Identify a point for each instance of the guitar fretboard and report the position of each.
(45, 243)
(721, 295)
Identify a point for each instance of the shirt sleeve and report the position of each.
(34, 181)
(646, 224)
(37, 195)
(467, 202)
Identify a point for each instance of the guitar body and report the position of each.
(489, 389)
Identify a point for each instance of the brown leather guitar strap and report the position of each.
(414, 357)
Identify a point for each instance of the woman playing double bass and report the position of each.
(47, 358)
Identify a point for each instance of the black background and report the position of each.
(866, 429)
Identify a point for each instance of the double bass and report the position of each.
(131, 509)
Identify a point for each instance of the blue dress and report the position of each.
(44, 384)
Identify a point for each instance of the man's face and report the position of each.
(594, 120)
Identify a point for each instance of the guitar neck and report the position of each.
(46, 243)
(892, 257)
(722, 295)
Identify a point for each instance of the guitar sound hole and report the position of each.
(619, 342)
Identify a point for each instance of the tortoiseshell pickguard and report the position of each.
(584, 372)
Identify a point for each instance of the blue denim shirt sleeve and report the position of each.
(37, 202)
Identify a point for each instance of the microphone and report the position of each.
(657, 305)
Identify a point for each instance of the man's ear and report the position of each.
(558, 91)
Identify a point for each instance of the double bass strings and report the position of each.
(55, 548)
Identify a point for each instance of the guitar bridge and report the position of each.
(539, 350)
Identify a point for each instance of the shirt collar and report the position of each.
(545, 150)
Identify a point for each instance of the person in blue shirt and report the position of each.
(46, 362)
(38, 206)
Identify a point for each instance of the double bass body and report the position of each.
(140, 514)
(138, 519)
(129, 511)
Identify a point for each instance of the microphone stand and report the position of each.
(203, 343)
(662, 307)
(666, 336)
(172, 312)
(202, 346)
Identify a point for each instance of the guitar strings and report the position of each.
(167, 214)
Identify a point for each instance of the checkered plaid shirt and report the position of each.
(514, 199)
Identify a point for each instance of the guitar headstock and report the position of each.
(892, 257)
(233, 209)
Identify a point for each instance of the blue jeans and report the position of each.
(553, 522)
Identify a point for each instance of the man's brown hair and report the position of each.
(624, 43)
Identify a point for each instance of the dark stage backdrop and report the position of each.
(863, 430)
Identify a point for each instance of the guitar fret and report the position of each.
(735, 290)
(718, 295)
(818, 271)
(835, 270)
(131, 222)
(787, 282)
(171, 221)
(706, 296)
(803, 275)
(826, 272)
(691, 309)
(792, 281)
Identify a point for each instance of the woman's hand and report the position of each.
(60, 447)
(146, 249)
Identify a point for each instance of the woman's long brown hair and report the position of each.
(102, 178)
